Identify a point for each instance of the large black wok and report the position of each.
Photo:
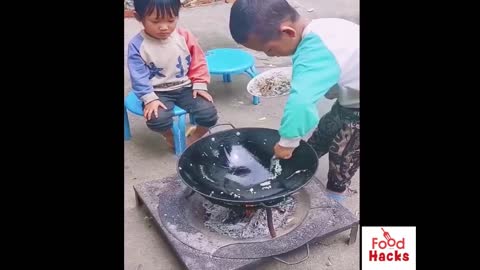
(231, 168)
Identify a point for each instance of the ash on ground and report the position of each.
(247, 227)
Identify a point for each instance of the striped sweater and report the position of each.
(165, 65)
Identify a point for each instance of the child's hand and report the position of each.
(152, 107)
(202, 93)
(282, 152)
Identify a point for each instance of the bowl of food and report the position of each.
(271, 83)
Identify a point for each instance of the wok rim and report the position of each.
(240, 202)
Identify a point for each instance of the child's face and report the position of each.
(159, 27)
(285, 45)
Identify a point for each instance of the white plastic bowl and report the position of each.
(268, 74)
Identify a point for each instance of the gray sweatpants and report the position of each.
(203, 111)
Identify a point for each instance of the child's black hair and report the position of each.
(162, 7)
(259, 17)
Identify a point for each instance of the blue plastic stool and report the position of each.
(134, 105)
(227, 62)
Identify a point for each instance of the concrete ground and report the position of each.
(147, 157)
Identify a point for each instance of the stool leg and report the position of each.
(252, 72)
(255, 100)
(179, 135)
(126, 125)
(227, 77)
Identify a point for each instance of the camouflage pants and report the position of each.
(338, 133)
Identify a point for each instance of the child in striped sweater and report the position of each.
(167, 67)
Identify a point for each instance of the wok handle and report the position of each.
(226, 124)
(297, 262)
